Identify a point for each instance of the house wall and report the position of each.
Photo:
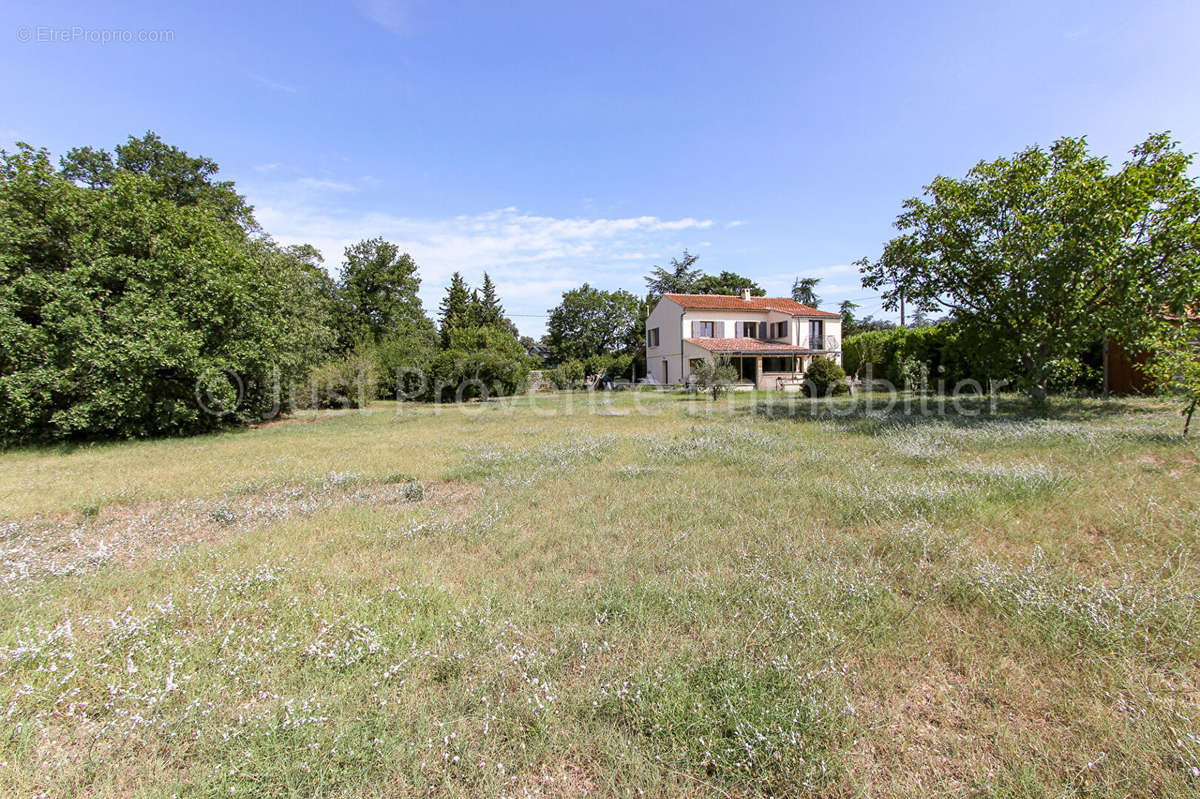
(665, 317)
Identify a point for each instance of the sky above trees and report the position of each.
(552, 144)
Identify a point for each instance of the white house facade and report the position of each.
(770, 340)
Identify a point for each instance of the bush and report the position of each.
(715, 375)
(903, 355)
(614, 365)
(825, 378)
(402, 362)
(347, 383)
(567, 375)
(481, 362)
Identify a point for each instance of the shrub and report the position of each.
(480, 362)
(402, 361)
(715, 375)
(347, 383)
(568, 374)
(825, 378)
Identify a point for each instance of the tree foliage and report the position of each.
(727, 283)
(135, 309)
(804, 291)
(378, 288)
(590, 321)
(481, 362)
(1042, 254)
(683, 277)
(1174, 363)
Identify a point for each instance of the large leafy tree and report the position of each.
(378, 288)
(727, 283)
(591, 321)
(1041, 254)
(682, 277)
(127, 312)
(183, 179)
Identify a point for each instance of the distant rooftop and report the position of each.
(734, 302)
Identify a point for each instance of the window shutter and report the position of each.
(695, 330)
(718, 330)
(783, 329)
(762, 329)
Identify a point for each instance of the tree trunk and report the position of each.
(1038, 393)
(1187, 422)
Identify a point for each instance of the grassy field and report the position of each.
(643, 595)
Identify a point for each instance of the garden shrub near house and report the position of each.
(825, 378)
(715, 376)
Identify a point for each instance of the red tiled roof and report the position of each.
(746, 345)
(733, 302)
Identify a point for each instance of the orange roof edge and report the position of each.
(734, 302)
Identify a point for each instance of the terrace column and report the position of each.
(758, 375)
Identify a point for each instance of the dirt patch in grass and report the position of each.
(48, 546)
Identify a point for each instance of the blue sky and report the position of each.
(553, 143)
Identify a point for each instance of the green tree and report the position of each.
(681, 278)
(378, 289)
(804, 291)
(590, 321)
(183, 179)
(727, 283)
(1039, 255)
(1174, 363)
(849, 322)
(124, 313)
(455, 310)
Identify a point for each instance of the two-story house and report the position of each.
(770, 340)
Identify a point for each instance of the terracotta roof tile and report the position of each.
(733, 302)
(746, 345)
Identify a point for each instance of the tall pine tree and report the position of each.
(455, 310)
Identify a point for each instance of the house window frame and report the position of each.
(817, 326)
(653, 337)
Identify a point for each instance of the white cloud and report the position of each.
(274, 85)
(532, 258)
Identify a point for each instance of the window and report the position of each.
(777, 364)
(702, 329)
(652, 337)
(749, 329)
(783, 330)
(816, 334)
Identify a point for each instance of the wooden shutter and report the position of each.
(762, 329)
(695, 330)
(783, 330)
(718, 330)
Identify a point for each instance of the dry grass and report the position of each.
(647, 595)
